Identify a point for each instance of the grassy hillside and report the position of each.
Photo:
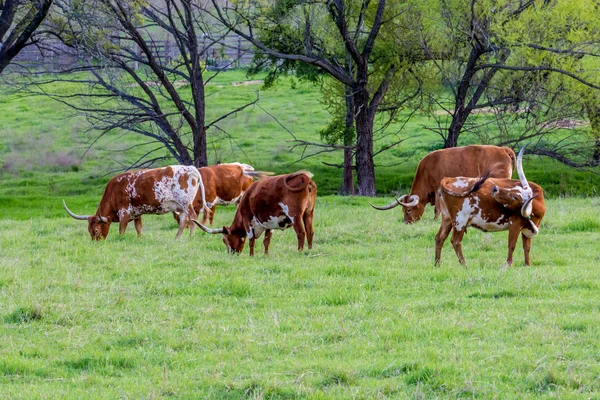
(44, 152)
(362, 315)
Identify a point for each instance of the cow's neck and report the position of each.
(421, 187)
(105, 209)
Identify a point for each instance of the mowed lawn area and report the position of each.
(364, 314)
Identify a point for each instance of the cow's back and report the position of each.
(225, 181)
(265, 195)
(471, 161)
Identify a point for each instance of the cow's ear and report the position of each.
(226, 231)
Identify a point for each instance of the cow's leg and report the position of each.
(267, 240)
(436, 209)
(176, 216)
(138, 225)
(526, 248)
(308, 225)
(123, 221)
(205, 216)
(251, 243)
(513, 236)
(191, 215)
(300, 232)
(440, 238)
(212, 213)
(457, 237)
(183, 219)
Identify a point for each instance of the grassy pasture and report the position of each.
(362, 315)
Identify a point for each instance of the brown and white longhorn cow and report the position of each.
(458, 161)
(148, 191)
(490, 205)
(224, 184)
(275, 202)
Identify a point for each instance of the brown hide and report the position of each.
(469, 161)
(129, 195)
(226, 182)
(275, 202)
(495, 206)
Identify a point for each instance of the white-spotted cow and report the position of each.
(275, 202)
(148, 191)
(490, 205)
(458, 161)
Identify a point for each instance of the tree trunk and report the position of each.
(200, 157)
(365, 168)
(348, 185)
(458, 121)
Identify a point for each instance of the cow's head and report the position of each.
(413, 209)
(97, 225)
(234, 242)
(517, 196)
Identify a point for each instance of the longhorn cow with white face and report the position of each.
(490, 205)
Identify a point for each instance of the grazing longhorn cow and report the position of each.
(224, 184)
(458, 161)
(275, 202)
(490, 205)
(148, 191)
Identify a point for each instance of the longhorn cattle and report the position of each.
(224, 184)
(490, 205)
(148, 191)
(459, 161)
(275, 202)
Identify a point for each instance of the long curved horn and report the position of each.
(414, 200)
(534, 228)
(393, 204)
(522, 178)
(207, 230)
(527, 207)
(103, 219)
(81, 217)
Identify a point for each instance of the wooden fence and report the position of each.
(230, 51)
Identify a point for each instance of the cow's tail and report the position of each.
(295, 174)
(476, 186)
(203, 192)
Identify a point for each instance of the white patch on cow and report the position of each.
(461, 183)
(464, 215)
(286, 211)
(478, 221)
(531, 232)
(525, 193)
(244, 166)
(273, 223)
(250, 234)
(170, 194)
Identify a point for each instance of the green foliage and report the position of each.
(337, 132)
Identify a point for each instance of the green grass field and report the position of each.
(364, 314)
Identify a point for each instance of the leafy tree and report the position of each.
(497, 54)
(344, 39)
(19, 20)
